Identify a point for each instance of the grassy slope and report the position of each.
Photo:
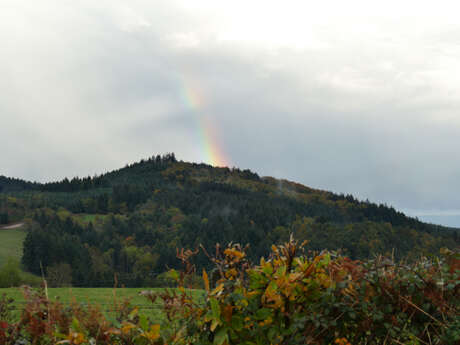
(11, 244)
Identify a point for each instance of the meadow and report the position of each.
(108, 299)
(11, 242)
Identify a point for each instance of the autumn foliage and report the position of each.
(291, 297)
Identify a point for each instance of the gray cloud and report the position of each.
(347, 104)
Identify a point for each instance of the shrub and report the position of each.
(48, 322)
(291, 298)
(6, 308)
(59, 275)
(10, 274)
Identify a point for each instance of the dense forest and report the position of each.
(127, 224)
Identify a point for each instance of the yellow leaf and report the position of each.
(76, 338)
(231, 273)
(153, 334)
(233, 252)
(127, 327)
(206, 280)
(113, 331)
(218, 289)
(133, 313)
(294, 276)
(214, 324)
(252, 293)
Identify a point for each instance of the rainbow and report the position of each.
(209, 135)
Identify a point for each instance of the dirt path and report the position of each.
(11, 226)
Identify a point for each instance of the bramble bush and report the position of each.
(291, 297)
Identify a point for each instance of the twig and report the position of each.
(423, 311)
(46, 294)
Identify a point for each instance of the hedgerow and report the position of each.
(291, 297)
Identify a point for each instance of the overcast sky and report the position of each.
(357, 97)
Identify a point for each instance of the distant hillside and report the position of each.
(132, 220)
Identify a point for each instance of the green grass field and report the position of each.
(104, 297)
(11, 241)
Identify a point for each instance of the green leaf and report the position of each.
(221, 336)
(267, 269)
(327, 259)
(272, 333)
(143, 322)
(237, 323)
(173, 274)
(113, 321)
(263, 314)
(215, 308)
(133, 314)
(76, 325)
(214, 325)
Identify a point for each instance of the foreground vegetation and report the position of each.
(292, 297)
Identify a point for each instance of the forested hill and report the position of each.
(132, 220)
